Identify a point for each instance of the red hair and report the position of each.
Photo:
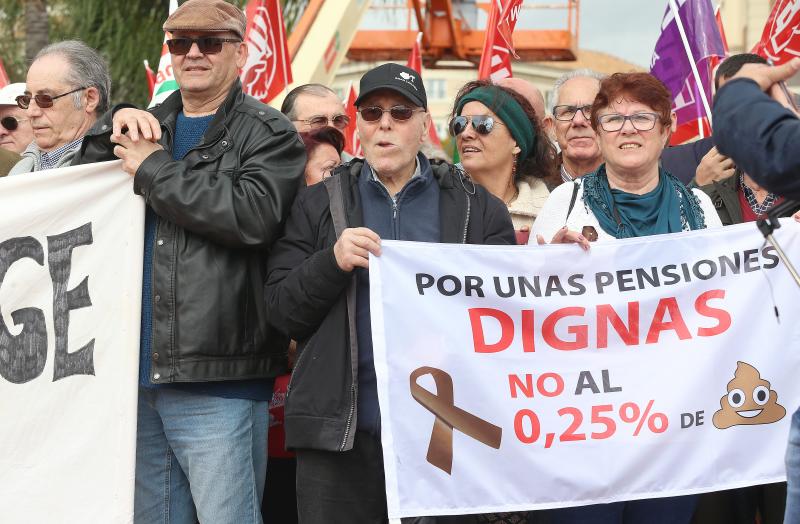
(324, 135)
(635, 87)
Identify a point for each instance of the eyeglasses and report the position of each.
(339, 121)
(399, 113)
(208, 45)
(566, 113)
(11, 122)
(43, 101)
(482, 124)
(640, 121)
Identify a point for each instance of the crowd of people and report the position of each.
(259, 228)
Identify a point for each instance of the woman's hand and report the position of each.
(566, 236)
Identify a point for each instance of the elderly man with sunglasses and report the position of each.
(317, 288)
(218, 171)
(313, 106)
(67, 89)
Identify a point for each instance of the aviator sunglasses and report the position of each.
(482, 124)
(208, 45)
(339, 121)
(43, 101)
(399, 113)
(11, 123)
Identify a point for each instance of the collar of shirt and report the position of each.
(752, 201)
(50, 158)
(417, 172)
(565, 176)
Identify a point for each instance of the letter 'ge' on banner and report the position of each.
(636, 370)
(70, 311)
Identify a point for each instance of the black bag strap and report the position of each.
(333, 184)
(572, 200)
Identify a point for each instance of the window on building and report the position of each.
(435, 88)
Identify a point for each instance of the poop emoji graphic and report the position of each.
(749, 400)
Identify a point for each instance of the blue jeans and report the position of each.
(792, 515)
(199, 458)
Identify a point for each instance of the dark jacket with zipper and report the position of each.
(219, 210)
(313, 300)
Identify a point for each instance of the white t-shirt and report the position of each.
(553, 215)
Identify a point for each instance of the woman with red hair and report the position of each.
(630, 195)
(324, 147)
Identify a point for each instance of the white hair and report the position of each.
(578, 73)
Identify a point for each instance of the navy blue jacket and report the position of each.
(761, 136)
(682, 161)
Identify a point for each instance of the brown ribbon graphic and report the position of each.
(448, 416)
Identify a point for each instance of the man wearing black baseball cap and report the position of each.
(317, 288)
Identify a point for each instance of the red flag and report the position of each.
(4, 80)
(498, 46)
(151, 77)
(507, 22)
(268, 69)
(713, 63)
(780, 41)
(721, 28)
(352, 144)
(415, 63)
(415, 58)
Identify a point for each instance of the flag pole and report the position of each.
(674, 7)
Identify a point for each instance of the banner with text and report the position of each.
(514, 378)
(70, 300)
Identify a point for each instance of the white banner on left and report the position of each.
(70, 300)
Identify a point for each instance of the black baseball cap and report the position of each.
(394, 77)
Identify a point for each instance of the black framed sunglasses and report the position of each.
(482, 124)
(399, 113)
(339, 121)
(208, 45)
(566, 113)
(43, 101)
(11, 123)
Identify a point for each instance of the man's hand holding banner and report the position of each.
(515, 378)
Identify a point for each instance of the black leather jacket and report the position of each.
(219, 209)
(314, 301)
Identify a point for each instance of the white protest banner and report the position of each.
(514, 378)
(70, 300)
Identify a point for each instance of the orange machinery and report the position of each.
(447, 34)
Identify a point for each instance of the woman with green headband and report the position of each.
(503, 147)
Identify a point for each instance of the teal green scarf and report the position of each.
(666, 209)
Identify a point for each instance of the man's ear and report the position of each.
(673, 126)
(549, 125)
(92, 99)
(426, 124)
(241, 54)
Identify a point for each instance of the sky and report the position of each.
(625, 28)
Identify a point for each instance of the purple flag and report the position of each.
(671, 64)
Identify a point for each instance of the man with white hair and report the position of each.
(15, 128)
(569, 123)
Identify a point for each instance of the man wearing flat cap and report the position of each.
(218, 171)
(317, 288)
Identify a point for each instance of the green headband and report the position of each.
(510, 112)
